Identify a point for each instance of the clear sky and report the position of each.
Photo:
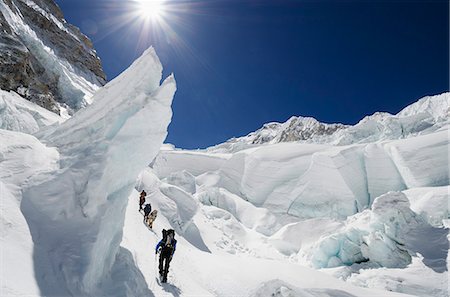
(242, 63)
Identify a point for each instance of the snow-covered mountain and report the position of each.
(367, 204)
(299, 208)
(423, 116)
(45, 59)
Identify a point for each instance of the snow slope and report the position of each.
(371, 214)
(18, 114)
(22, 156)
(200, 273)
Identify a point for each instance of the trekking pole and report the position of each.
(155, 267)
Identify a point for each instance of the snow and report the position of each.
(184, 180)
(18, 114)
(287, 178)
(422, 161)
(73, 86)
(386, 236)
(422, 117)
(102, 148)
(437, 106)
(22, 156)
(198, 273)
(368, 218)
(370, 208)
(431, 203)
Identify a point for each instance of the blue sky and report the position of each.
(240, 64)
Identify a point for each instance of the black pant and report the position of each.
(164, 260)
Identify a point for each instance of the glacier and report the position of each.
(372, 211)
(76, 212)
(316, 216)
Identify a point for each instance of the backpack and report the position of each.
(147, 208)
(168, 238)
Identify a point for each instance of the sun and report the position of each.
(151, 9)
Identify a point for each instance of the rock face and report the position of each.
(45, 59)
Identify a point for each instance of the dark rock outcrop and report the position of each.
(45, 59)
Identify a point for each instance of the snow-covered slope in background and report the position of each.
(310, 180)
(45, 59)
(424, 116)
(372, 212)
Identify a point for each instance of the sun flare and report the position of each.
(151, 9)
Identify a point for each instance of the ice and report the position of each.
(176, 205)
(295, 236)
(437, 106)
(195, 272)
(259, 219)
(288, 177)
(182, 179)
(169, 161)
(431, 203)
(422, 161)
(18, 114)
(76, 214)
(22, 156)
(278, 288)
(417, 279)
(387, 236)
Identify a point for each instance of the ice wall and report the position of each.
(387, 235)
(76, 214)
(312, 180)
(18, 114)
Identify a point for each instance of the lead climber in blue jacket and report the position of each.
(166, 246)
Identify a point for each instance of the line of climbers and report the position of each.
(167, 245)
(149, 215)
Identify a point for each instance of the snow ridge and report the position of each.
(424, 116)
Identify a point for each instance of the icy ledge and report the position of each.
(387, 235)
(76, 214)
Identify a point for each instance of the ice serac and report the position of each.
(76, 215)
(387, 235)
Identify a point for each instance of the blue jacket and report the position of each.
(161, 244)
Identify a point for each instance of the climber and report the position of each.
(147, 211)
(142, 199)
(151, 218)
(166, 247)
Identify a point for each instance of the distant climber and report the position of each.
(151, 218)
(147, 211)
(166, 247)
(142, 199)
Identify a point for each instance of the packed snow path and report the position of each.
(197, 273)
